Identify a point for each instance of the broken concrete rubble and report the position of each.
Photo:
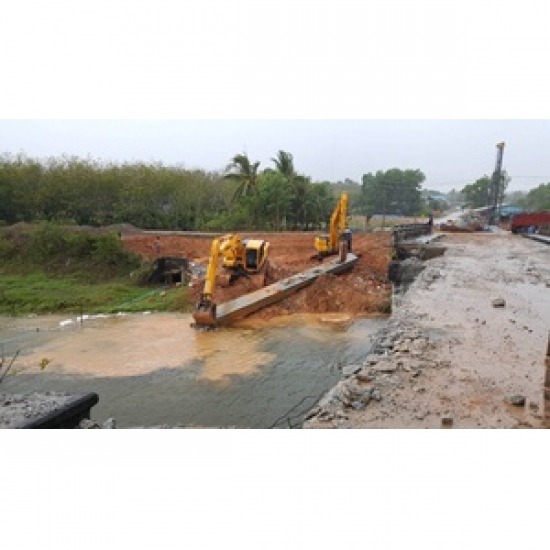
(452, 358)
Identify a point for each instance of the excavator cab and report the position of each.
(255, 254)
(322, 244)
(324, 248)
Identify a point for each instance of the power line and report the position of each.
(533, 177)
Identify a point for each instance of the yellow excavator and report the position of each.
(338, 240)
(240, 256)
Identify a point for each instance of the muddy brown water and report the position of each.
(152, 370)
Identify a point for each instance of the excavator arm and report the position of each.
(338, 221)
(205, 310)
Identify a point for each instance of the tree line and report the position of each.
(478, 193)
(87, 192)
(72, 190)
(537, 198)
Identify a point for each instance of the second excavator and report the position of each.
(336, 241)
(240, 257)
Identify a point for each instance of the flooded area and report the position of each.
(152, 370)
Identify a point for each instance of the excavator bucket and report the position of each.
(205, 315)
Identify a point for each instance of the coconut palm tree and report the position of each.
(240, 169)
(297, 184)
(284, 164)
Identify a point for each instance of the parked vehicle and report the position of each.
(533, 222)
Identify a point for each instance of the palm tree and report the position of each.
(285, 165)
(300, 200)
(245, 173)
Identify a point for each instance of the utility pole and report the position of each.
(496, 182)
(384, 208)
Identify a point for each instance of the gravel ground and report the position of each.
(465, 347)
(16, 409)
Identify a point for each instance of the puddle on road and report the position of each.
(156, 369)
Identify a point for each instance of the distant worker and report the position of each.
(157, 246)
(347, 238)
(430, 222)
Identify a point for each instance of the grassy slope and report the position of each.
(40, 293)
(65, 279)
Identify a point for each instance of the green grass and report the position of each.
(41, 293)
(46, 268)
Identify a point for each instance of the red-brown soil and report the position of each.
(363, 291)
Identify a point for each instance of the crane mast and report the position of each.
(496, 184)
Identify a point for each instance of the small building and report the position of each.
(508, 210)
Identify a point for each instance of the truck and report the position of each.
(531, 222)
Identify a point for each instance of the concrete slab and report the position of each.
(247, 304)
(45, 410)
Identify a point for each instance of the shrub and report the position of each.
(8, 250)
(47, 241)
(107, 250)
(57, 249)
(79, 245)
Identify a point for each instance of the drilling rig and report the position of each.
(496, 190)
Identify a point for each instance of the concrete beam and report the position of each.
(247, 304)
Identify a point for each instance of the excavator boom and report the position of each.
(205, 310)
(338, 220)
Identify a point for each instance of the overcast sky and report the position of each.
(346, 86)
(451, 153)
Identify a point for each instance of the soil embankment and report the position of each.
(465, 347)
(364, 291)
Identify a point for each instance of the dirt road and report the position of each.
(465, 347)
